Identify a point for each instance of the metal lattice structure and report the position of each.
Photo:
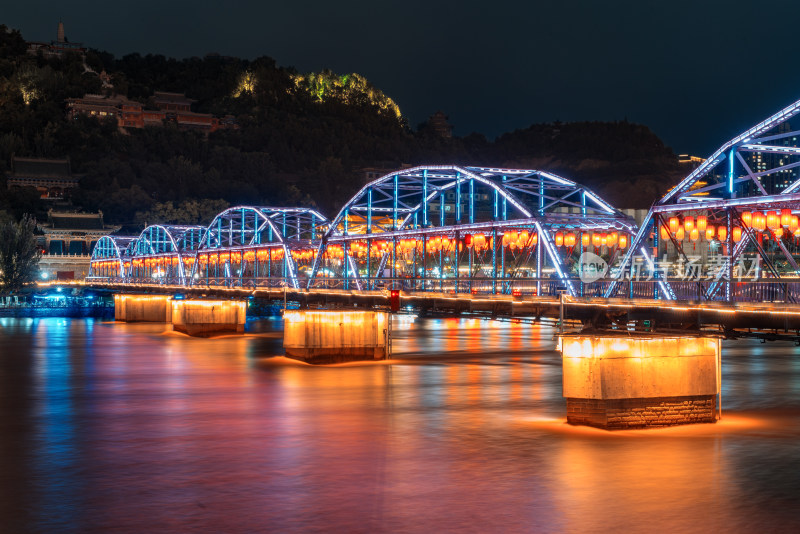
(165, 252)
(111, 257)
(250, 243)
(439, 227)
(385, 230)
(257, 244)
(753, 175)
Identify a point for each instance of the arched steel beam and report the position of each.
(751, 137)
(114, 242)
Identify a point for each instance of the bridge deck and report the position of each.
(766, 320)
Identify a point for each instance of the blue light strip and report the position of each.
(730, 172)
(424, 198)
(471, 201)
(369, 211)
(458, 197)
(505, 203)
(394, 220)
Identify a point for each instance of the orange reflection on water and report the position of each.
(125, 428)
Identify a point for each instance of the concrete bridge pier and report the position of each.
(142, 308)
(203, 318)
(194, 317)
(332, 336)
(640, 381)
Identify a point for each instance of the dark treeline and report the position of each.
(301, 138)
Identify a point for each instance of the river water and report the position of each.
(109, 427)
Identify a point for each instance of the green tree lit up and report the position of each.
(352, 89)
(19, 256)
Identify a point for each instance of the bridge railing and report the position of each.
(765, 290)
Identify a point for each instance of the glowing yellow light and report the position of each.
(673, 224)
(702, 223)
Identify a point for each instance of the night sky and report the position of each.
(697, 73)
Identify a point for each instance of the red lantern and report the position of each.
(786, 217)
(773, 220)
(674, 223)
(702, 223)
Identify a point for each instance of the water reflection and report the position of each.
(124, 427)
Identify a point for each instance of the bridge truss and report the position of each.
(466, 229)
(729, 230)
(429, 228)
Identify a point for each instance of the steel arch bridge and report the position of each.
(429, 228)
(435, 228)
(256, 244)
(259, 246)
(735, 217)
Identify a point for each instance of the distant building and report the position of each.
(762, 162)
(692, 161)
(67, 242)
(58, 47)
(170, 107)
(439, 125)
(53, 178)
(371, 174)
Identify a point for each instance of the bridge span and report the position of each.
(508, 242)
(716, 257)
(763, 320)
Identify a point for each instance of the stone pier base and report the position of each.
(640, 381)
(142, 308)
(333, 336)
(617, 414)
(203, 318)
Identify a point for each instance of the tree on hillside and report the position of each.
(19, 255)
(187, 212)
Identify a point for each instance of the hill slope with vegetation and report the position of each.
(301, 138)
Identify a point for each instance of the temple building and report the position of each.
(67, 242)
(439, 125)
(53, 178)
(168, 107)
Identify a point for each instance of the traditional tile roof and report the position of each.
(45, 168)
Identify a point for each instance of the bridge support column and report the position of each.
(142, 308)
(203, 318)
(618, 382)
(332, 336)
